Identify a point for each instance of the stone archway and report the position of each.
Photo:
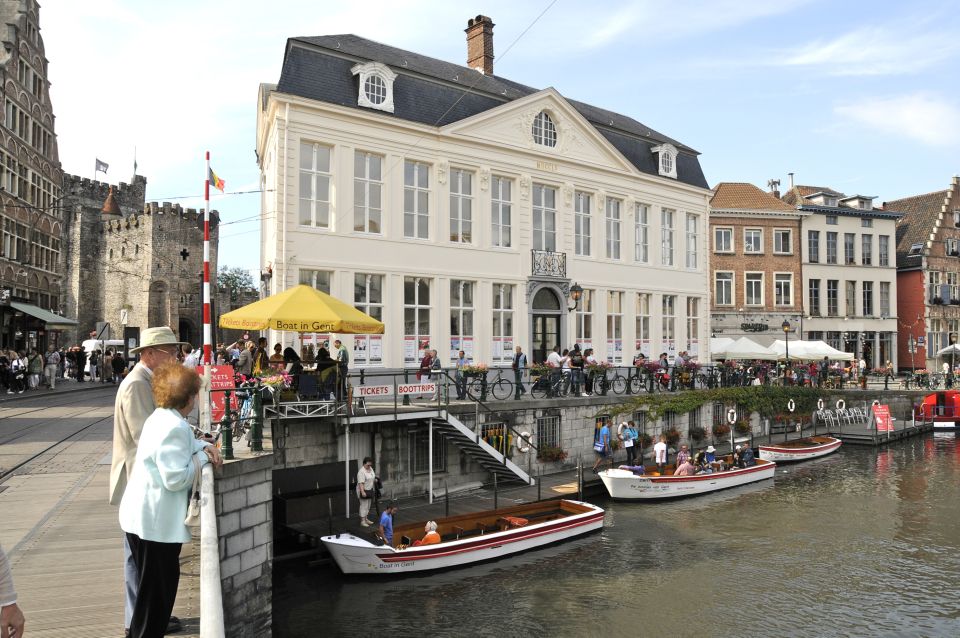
(547, 313)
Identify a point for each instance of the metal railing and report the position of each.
(211, 596)
(548, 263)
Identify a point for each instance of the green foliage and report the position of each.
(646, 440)
(551, 454)
(236, 280)
(720, 430)
(768, 401)
(742, 427)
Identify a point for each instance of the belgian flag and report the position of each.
(215, 181)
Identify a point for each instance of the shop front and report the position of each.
(24, 326)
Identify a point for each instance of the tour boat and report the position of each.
(803, 449)
(625, 485)
(942, 409)
(466, 539)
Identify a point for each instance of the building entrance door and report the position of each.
(546, 335)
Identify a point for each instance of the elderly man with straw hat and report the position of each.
(133, 405)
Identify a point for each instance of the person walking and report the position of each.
(386, 522)
(519, 366)
(118, 365)
(51, 369)
(133, 405)
(601, 446)
(154, 503)
(366, 490)
(460, 378)
(343, 366)
(245, 361)
(11, 618)
(18, 373)
(660, 454)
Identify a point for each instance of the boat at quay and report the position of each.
(652, 486)
(809, 447)
(467, 539)
(942, 409)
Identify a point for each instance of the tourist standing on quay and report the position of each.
(601, 446)
(52, 368)
(519, 366)
(660, 454)
(366, 490)
(386, 522)
(343, 366)
(134, 403)
(11, 618)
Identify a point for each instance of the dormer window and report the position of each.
(668, 159)
(544, 130)
(915, 249)
(376, 86)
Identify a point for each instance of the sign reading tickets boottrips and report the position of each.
(881, 413)
(221, 378)
(387, 390)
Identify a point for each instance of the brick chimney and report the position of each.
(480, 44)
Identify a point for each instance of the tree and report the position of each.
(236, 280)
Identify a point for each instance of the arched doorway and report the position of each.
(185, 328)
(546, 312)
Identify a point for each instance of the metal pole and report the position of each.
(226, 429)
(207, 333)
(430, 455)
(539, 483)
(446, 499)
(495, 492)
(346, 470)
(256, 429)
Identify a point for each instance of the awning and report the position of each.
(52, 320)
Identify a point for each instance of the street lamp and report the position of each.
(576, 291)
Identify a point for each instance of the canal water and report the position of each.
(865, 542)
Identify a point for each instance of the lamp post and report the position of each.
(786, 336)
(576, 291)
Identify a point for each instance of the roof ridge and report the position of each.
(903, 199)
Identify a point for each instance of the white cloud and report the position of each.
(875, 50)
(919, 117)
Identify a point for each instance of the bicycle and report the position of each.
(501, 387)
(549, 385)
(617, 383)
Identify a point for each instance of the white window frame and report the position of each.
(667, 160)
(503, 314)
(867, 294)
(318, 279)
(866, 249)
(816, 308)
(641, 233)
(643, 303)
(581, 223)
(584, 318)
(462, 310)
(419, 216)
(315, 175)
(615, 325)
(501, 211)
(363, 303)
(748, 248)
(778, 234)
(693, 321)
(668, 325)
(382, 73)
(692, 239)
(667, 221)
(461, 206)
(746, 288)
(544, 130)
(544, 238)
(780, 278)
(850, 300)
(612, 215)
(420, 331)
(813, 239)
(723, 240)
(885, 298)
(369, 215)
(732, 285)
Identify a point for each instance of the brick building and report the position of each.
(755, 263)
(928, 281)
(127, 258)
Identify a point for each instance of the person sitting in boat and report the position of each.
(431, 537)
(701, 465)
(685, 469)
(737, 456)
(711, 454)
(683, 454)
(746, 457)
(636, 469)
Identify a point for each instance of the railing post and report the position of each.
(226, 427)
(495, 491)
(406, 380)
(362, 402)
(256, 429)
(446, 499)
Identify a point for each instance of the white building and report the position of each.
(460, 208)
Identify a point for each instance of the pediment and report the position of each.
(511, 126)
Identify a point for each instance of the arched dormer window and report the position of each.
(376, 86)
(667, 165)
(544, 130)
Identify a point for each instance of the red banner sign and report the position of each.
(221, 378)
(881, 415)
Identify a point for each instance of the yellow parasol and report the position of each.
(302, 309)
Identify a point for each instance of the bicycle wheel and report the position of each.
(474, 388)
(502, 389)
(637, 385)
(619, 384)
(540, 388)
(598, 382)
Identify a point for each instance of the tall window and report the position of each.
(548, 432)
(851, 298)
(693, 322)
(585, 319)
(783, 241)
(641, 232)
(666, 237)
(866, 249)
(867, 289)
(368, 298)
(669, 318)
(935, 340)
(952, 278)
(884, 298)
(500, 210)
(581, 223)
(783, 289)
(416, 200)
(723, 288)
(420, 451)
(613, 228)
(502, 323)
(849, 248)
(933, 284)
(544, 130)
(831, 248)
(723, 240)
(544, 217)
(615, 327)
(461, 316)
(813, 246)
(753, 241)
(367, 189)
(753, 288)
(693, 221)
(416, 317)
(319, 279)
(813, 291)
(833, 298)
(461, 206)
(643, 316)
(314, 185)
(884, 250)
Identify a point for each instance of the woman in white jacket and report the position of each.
(154, 504)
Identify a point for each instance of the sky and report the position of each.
(858, 96)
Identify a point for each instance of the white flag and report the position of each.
(101, 167)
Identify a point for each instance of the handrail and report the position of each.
(211, 595)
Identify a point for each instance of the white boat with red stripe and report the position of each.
(804, 449)
(466, 539)
(651, 486)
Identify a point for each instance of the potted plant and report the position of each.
(697, 433)
(551, 454)
(673, 436)
(742, 427)
(720, 430)
(645, 440)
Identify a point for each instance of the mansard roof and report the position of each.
(435, 92)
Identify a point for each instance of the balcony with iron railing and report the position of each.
(548, 263)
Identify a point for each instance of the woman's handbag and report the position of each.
(193, 507)
(598, 447)
(377, 487)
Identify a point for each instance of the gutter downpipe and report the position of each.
(211, 595)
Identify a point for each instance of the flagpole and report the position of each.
(205, 424)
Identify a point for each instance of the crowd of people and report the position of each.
(29, 369)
